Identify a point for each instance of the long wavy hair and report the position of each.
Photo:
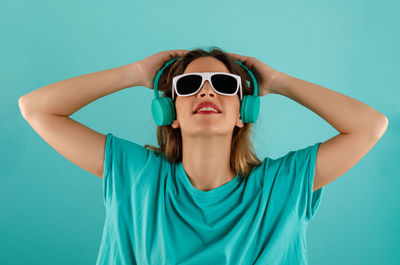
(242, 157)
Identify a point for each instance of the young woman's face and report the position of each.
(207, 124)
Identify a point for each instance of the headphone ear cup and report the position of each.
(163, 111)
(242, 109)
(250, 108)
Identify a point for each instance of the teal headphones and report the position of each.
(163, 108)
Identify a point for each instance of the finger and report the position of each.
(244, 59)
(237, 56)
(177, 53)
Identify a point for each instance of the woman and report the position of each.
(203, 197)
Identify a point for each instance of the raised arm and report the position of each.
(360, 126)
(48, 108)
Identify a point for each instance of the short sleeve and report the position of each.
(299, 167)
(123, 160)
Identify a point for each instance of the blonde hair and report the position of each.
(243, 158)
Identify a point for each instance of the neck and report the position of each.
(206, 161)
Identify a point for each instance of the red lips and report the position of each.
(207, 104)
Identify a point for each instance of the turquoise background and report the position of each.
(52, 210)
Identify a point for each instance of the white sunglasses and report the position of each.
(223, 83)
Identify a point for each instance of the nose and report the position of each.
(206, 89)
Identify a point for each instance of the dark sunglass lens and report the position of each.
(224, 83)
(188, 84)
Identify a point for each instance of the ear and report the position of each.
(239, 122)
(175, 124)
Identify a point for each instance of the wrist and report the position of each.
(277, 84)
(132, 74)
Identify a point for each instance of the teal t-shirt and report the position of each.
(154, 215)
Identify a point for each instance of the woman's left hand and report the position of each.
(264, 73)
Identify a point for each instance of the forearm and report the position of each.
(68, 96)
(345, 114)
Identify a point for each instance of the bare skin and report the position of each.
(206, 139)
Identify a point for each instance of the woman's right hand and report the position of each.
(149, 66)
